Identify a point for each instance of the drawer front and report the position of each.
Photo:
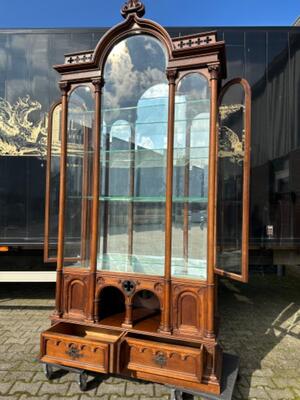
(76, 352)
(172, 361)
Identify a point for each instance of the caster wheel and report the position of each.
(82, 381)
(48, 371)
(176, 395)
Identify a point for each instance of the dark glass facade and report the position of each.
(269, 58)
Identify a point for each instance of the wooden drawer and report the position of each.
(170, 360)
(79, 346)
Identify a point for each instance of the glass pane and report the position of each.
(79, 176)
(190, 182)
(54, 181)
(133, 157)
(230, 180)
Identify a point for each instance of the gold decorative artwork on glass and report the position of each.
(20, 134)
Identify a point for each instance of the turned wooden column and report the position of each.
(128, 313)
(212, 200)
(166, 314)
(132, 121)
(98, 84)
(186, 195)
(64, 87)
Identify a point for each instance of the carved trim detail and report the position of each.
(194, 41)
(100, 281)
(172, 76)
(64, 87)
(158, 287)
(98, 83)
(214, 70)
(133, 7)
(79, 58)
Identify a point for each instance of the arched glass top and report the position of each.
(133, 157)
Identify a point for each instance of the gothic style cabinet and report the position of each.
(153, 164)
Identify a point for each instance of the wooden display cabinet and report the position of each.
(153, 203)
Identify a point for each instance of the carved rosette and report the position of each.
(133, 7)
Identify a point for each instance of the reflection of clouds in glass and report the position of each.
(146, 142)
(151, 126)
(124, 78)
(180, 121)
(200, 130)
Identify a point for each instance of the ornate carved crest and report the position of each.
(133, 7)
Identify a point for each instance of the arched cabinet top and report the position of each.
(184, 52)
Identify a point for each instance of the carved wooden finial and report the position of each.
(133, 7)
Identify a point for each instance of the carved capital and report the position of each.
(98, 84)
(64, 87)
(214, 70)
(172, 76)
(133, 7)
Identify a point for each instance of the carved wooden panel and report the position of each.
(167, 360)
(130, 285)
(188, 309)
(75, 293)
(76, 352)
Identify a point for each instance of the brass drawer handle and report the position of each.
(160, 359)
(74, 353)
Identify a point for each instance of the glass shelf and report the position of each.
(152, 265)
(153, 199)
(144, 199)
(159, 104)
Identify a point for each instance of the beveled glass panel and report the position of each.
(190, 182)
(79, 176)
(133, 157)
(231, 155)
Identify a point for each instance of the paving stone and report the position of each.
(280, 394)
(27, 397)
(13, 376)
(165, 397)
(262, 381)
(24, 387)
(74, 390)
(59, 397)
(113, 388)
(54, 388)
(4, 387)
(254, 393)
(140, 388)
(286, 382)
(161, 390)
